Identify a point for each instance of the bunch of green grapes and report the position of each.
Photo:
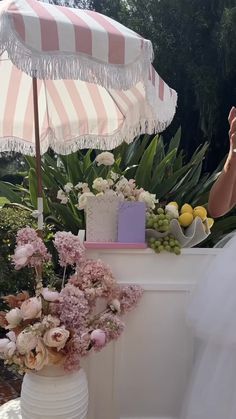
(159, 222)
(168, 243)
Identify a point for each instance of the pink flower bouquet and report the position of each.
(61, 327)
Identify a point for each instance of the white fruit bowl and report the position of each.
(192, 235)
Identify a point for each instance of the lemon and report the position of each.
(210, 222)
(200, 212)
(186, 219)
(174, 204)
(186, 208)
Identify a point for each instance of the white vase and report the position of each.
(53, 394)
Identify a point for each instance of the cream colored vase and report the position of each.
(54, 394)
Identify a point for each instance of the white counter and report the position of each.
(144, 374)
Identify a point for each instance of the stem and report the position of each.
(39, 283)
(64, 277)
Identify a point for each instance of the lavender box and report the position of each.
(131, 222)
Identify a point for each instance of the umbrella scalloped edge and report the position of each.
(109, 142)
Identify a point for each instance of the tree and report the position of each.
(194, 45)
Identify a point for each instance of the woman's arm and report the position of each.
(223, 193)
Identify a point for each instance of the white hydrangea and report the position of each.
(100, 184)
(61, 195)
(82, 200)
(68, 187)
(106, 158)
(148, 198)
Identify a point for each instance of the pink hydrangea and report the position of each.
(69, 247)
(129, 297)
(96, 279)
(72, 309)
(77, 348)
(111, 325)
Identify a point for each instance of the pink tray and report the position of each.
(114, 245)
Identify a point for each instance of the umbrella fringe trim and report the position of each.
(108, 142)
(73, 66)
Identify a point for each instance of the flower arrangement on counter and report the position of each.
(114, 184)
(61, 327)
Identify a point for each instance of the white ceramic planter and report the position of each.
(52, 394)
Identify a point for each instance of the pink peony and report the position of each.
(31, 308)
(13, 317)
(30, 249)
(98, 337)
(37, 359)
(22, 255)
(50, 295)
(56, 337)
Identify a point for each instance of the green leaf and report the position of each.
(87, 160)
(67, 217)
(160, 169)
(175, 141)
(135, 150)
(74, 169)
(164, 188)
(144, 170)
(7, 190)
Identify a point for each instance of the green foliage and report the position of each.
(11, 281)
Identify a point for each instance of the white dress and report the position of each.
(211, 392)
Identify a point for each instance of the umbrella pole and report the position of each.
(38, 156)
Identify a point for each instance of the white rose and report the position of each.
(148, 198)
(82, 201)
(26, 342)
(83, 186)
(62, 196)
(37, 359)
(13, 318)
(100, 184)
(56, 337)
(10, 349)
(122, 184)
(106, 158)
(68, 187)
(3, 344)
(31, 308)
(172, 211)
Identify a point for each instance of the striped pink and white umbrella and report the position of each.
(93, 82)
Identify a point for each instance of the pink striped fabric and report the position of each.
(84, 31)
(76, 114)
